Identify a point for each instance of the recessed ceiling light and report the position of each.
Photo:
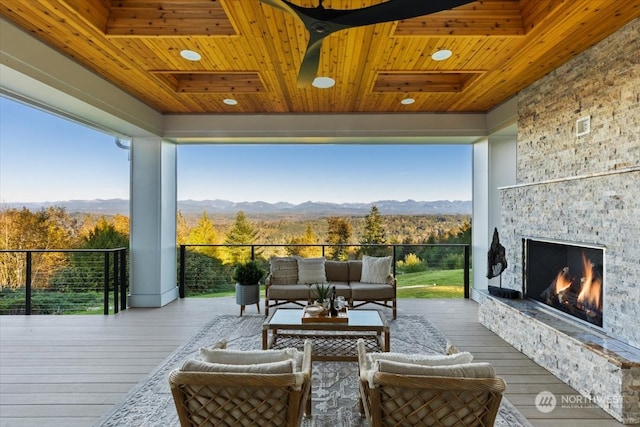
(190, 55)
(230, 101)
(323, 82)
(441, 55)
(407, 101)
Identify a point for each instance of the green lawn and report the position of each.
(431, 284)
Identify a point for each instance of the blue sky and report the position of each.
(46, 158)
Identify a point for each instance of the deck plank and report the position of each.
(70, 370)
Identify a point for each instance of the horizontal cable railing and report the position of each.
(63, 281)
(207, 268)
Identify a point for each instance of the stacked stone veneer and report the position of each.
(583, 189)
(603, 369)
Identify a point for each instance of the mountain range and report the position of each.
(386, 207)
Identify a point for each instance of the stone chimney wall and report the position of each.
(583, 189)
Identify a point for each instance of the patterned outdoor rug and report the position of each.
(334, 389)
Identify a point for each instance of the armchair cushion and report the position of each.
(248, 357)
(375, 270)
(421, 359)
(282, 367)
(465, 370)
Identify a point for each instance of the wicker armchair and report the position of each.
(393, 399)
(242, 399)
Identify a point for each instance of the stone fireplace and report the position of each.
(577, 196)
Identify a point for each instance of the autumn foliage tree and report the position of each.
(308, 238)
(48, 228)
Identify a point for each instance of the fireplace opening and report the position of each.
(566, 277)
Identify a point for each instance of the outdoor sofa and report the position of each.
(360, 282)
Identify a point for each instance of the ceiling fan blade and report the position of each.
(321, 22)
(391, 10)
(280, 4)
(311, 61)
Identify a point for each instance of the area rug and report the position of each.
(334, 389)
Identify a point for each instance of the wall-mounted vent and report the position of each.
(583, 126)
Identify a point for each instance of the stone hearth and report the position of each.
(604, 370)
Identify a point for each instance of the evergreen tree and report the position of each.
(242, 232)
(338, 233)
(204, 233)
(374, 234)
(105, 236)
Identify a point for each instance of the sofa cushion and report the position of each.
(311, 270)
(355, 270)
(342, 289)
(337, 271)
(283, 271)
(368, 291)
(375, 269)
(281, 367)
(289, 292)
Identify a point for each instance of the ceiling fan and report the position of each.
(321, 22)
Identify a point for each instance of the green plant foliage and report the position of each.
(411, 264)
(374, 234)
(322, 291)
(248, 273)
(204, 274)
(241, 233)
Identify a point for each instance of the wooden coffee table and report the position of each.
(332, 341)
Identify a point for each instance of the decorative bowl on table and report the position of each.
(314, 310)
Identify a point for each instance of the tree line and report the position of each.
(55, 228)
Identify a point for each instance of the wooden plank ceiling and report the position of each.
(251, 51)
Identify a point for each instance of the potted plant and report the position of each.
(247, 276)
(322, 291)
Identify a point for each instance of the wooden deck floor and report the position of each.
(67, 371)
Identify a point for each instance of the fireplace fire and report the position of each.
(566, 277)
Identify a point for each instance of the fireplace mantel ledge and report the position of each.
(573, 178)
(615, 351)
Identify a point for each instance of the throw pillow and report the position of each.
(311, 270)
(283, 271)
(282, 367)
(375, 269)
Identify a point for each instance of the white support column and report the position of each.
(153, 223)
(494, 166)
(480, 221)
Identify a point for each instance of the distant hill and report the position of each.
(386, 207)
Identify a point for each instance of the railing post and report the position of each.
(183, 250)
(466, 271)
(27, 302)
(106, 283)
(253, 252)
(394, 260)
(116, 283)
(123, 279)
